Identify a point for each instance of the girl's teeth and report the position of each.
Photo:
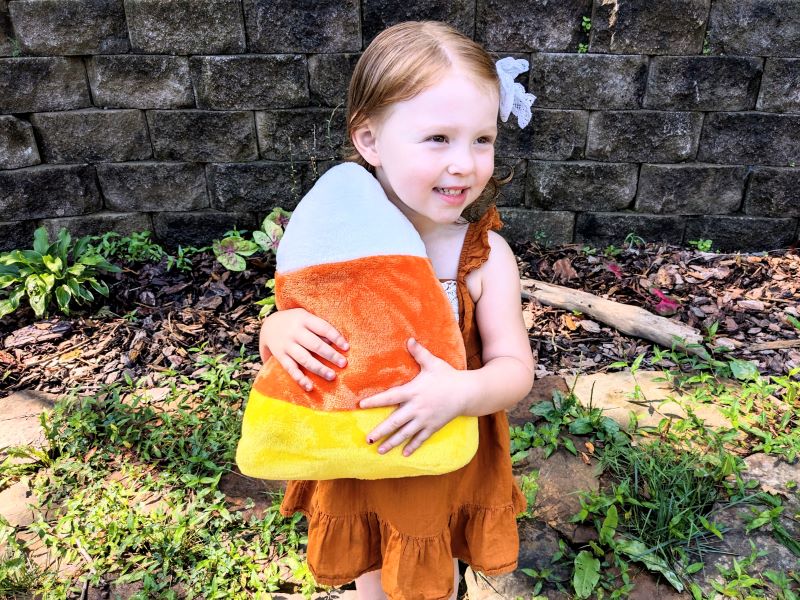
(449, 192)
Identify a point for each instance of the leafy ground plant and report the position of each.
(233, 249)
(64, 271)
(130, 493)
(658, 509)
(135, 248)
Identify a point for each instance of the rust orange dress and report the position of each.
(413, 527)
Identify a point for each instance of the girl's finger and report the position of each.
(305, 359)
(420, 353)
(404, 434)
(394, 423)
(416, 442)
(390, 397)
(290, 366)
(311, 342)
(324, 329)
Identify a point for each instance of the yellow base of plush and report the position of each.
(285, 441)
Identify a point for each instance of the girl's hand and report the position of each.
(296, 338)
(425, 404)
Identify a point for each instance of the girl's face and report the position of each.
(434, 154)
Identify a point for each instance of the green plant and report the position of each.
(134, 494)
(267, 303)
(62, 270)
(611, 251)
(233, 249)
(134, 248)
(658, 511)
(702, 245)
(586, 24)
(586, 574)
(16, 49)
(583, 48)
(529, 485)
(562, 414)
(634, 241)
(182, 260)
(17, 573)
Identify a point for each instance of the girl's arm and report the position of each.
(507, 372)
(294, 337)
(439, 393)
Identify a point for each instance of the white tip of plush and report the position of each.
(346, 215)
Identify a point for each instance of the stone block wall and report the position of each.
(674, 120)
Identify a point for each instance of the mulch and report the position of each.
(154, 319)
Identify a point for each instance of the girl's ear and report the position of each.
(364, 141)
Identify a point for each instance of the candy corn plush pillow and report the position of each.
(351, 257)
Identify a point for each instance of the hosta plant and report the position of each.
(233, 249)
(64, 271)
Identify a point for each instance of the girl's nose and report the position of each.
(461, 161)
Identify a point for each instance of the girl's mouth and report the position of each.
(452, 196)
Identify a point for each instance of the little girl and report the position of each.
(422, 117)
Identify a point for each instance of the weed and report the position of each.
(17, 573)
(634, 241)
(182, 260)
(132, 494)
(563, 412)
(134, 248)
(661, 500)
(16, 48)
(583, 48)
(702, 245)
(529, 485)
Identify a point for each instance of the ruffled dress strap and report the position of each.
(474, 253)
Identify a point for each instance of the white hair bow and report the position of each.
(513, 97)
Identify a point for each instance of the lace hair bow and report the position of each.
(513, 97)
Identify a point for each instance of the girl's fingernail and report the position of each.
(370, 440)
(341, 362)
(329, 375)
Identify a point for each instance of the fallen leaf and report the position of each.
(569, 322)
(585, 458)
(68, 356)
(750, 304)
(589, 325)
(563, 269)
(666, 305)
(589, 447)
(615, 269)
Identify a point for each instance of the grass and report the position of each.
(664, 484)
(129, 493)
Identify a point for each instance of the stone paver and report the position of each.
(14, 503)
(613, 392)
(19, 418)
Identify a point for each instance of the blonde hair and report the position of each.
(401, 62)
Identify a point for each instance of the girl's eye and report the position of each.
(485, 140)
(438, 139)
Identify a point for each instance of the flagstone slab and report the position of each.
(14, 503)
(616, 394)
(19, 418)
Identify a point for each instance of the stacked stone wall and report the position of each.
(674, 120)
